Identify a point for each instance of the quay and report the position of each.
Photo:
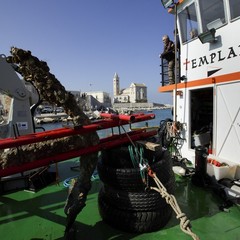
(50, 117)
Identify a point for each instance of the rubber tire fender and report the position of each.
(130, 179)
(134, 221)
(136, 201)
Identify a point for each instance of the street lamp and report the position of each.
(208, 36)
(167, 3)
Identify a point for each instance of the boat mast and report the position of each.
(173, 5)
(175, 40)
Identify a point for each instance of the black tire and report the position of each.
(120, 157)
(129, 179)
(136, 201)
(134, 221)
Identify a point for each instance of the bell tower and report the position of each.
(116, 87)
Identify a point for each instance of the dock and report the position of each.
(50, 117)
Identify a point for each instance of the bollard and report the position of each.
(200, 178)
(201, 154)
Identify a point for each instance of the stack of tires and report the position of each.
(124, 202)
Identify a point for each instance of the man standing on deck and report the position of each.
(169, 55)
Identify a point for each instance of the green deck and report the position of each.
(39, 216)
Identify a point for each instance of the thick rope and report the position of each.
(171, 200)
(138, 161)
(134, 156)
(137, 158)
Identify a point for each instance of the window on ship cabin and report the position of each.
(234, 8)
(188, 23)
(212, 14)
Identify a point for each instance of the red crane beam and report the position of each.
(110, 121)
(105, 143)
(113, 121)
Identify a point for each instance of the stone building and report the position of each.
(136, 93)
(92, 100)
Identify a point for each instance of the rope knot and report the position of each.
(151, 173)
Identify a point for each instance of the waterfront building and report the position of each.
(92, 100)
(135, 93)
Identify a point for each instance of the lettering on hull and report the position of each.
(212, 58)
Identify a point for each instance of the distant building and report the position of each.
(98, 99)
(92, 100)
(76, 94)
(101, 97)
(136, 93)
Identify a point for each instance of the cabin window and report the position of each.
(212, 13)
(234, 8)
(188, 23)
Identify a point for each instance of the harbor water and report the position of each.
(160, 114)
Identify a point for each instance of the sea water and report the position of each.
(160, 114)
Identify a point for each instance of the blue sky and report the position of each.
(85, 42)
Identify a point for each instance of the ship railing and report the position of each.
(164, 70)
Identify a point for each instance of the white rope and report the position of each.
(171, 200)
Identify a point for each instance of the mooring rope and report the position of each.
(171, 200)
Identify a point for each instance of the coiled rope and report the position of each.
(171, 200)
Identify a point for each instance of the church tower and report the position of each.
(116, 87)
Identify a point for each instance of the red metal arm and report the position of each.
(105, 143)
(63, 132)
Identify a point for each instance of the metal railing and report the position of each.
(164, 71)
